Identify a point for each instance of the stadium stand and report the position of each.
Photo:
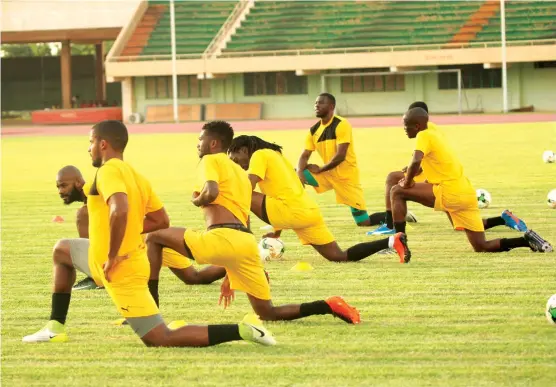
(197, 22)
(524, 21)
(279, 25)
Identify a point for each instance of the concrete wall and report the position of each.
(526, 86)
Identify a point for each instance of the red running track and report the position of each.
(247, 126)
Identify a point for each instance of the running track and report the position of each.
(243, 126)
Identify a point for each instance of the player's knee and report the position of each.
(61, 252)
(396, 191)
(393, 178)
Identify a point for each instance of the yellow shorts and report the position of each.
(462, 207)
(174, 260)
(237, 252)
(420, 178)
(128, 287)
(347, 192)
(307, 223)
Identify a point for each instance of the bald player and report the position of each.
(72, 188)
(447, 189)
(70, 182)
(387, 228)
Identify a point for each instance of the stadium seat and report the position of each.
(281, 25)
(531, 20)
(197, 23)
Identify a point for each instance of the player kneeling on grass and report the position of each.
(284, 203)
(387, 228)
(74, 252)
(447, 189)
(224, 195)
(122, 205)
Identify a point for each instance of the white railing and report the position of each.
(349, 50)
(228, 24)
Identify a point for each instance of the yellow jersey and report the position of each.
(440, 163)
(325, 137)
(113, 177)
(233, 184)
(278, 179)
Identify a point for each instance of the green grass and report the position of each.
(452, 317)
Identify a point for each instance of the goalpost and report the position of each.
(436, 71)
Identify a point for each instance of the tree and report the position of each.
(28, 49)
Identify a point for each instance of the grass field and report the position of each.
(452, 317)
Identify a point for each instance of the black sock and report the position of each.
(312, 308)
(399, 227)
(493, 222)
(223, 333)
(153, 288)
(377, 218)
(506, 244)
(389, 220)
(60, 306)
(363, 250)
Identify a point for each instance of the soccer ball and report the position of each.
(551, 199)
(271, 249)
(550, 311)
(483, 198)
(548, 156)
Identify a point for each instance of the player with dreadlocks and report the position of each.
(285, 204)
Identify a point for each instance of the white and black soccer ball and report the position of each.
(551, 199)
(271, 249)
(550, 311)
(483, 198)
(548, 156)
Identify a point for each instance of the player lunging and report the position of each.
(122, 205)
(447, 189)
(387, 228)
(284, 203)
(224, 195)
(332, 138)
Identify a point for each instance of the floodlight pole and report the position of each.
(504, 64)
(174, 71)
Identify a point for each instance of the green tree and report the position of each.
(82, 49)
(28, 49)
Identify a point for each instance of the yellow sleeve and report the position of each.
(423, 143)
(153, 201)
(258, 164)
(110, 181)
(309, 144)
(208, 170)
(343, 132)
(86, 189)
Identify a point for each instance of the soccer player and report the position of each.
(224, 195)
(122, 205)
(332, 138)
(447, 189)
(71, 188)
(387, 228)
(70, 184)
(284, 203)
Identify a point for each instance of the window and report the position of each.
(545, 65)
(472, 76)
(189, 86)
(373, 83)
(277, 83)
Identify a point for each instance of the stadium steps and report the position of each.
(197, 22)
(476, 22)
(281, 25)
(142, 33)
(530, 20)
